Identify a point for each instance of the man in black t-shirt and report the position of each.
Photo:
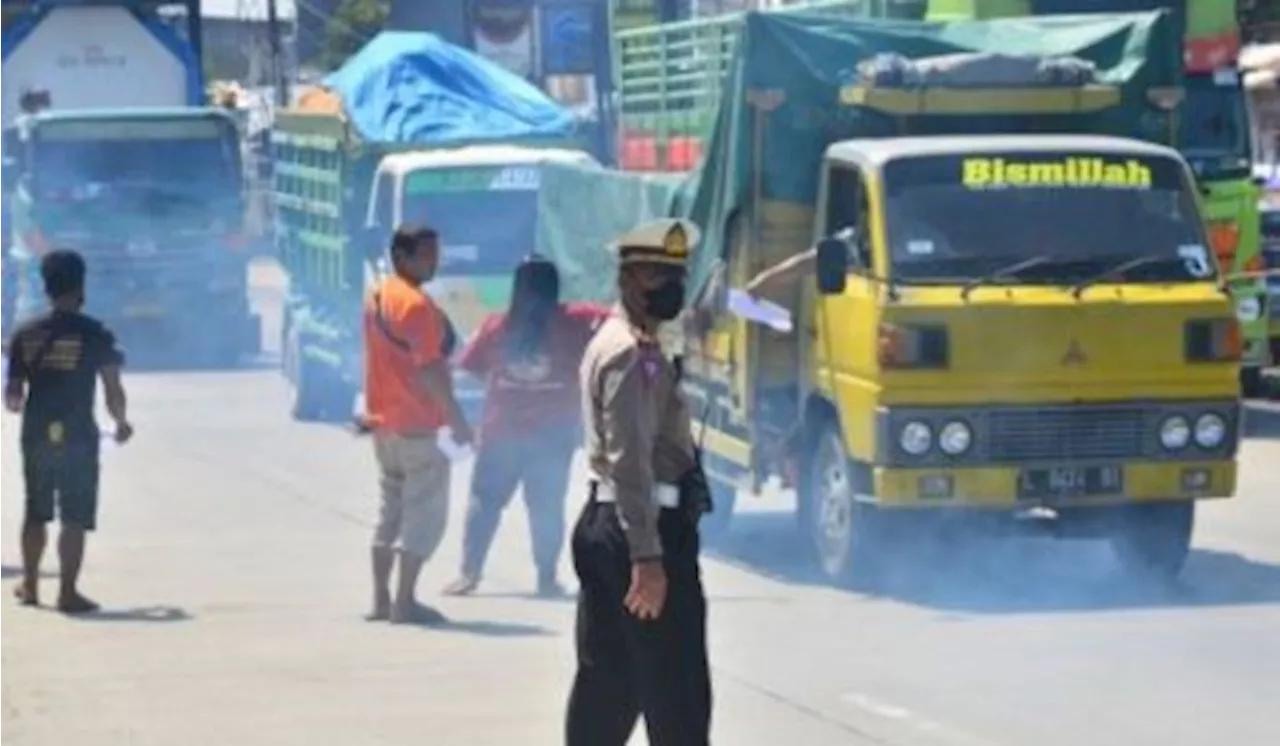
(55, 361)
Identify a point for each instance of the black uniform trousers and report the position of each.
(628, 667)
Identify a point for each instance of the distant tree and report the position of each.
(350, 27)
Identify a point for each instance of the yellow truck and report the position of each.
(1027, 329)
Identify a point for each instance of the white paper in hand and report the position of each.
(450, 447)
(772, 315)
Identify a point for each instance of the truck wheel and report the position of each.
(308, 390)
(251, 343)
(226, 351)
(1252, 384)
(1154, 540)
(339, 399)
(288, 350)
(714, 526)
(847, 535)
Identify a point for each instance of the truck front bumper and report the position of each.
(1001, 487)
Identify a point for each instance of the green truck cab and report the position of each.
(154, 200)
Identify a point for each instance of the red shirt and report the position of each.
(522, 398)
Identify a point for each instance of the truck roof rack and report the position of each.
(1028, 101)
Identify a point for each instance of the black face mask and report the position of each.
(665, 301)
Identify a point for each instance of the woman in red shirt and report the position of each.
(529, 359)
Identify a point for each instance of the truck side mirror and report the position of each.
(832, 266)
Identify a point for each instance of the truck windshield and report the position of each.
(1215, 128)
(959, 218)
(486, 217)
(76, 164)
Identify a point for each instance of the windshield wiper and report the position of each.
(1118, 271)
(1007, 271)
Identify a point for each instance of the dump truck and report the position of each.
(1007, 312)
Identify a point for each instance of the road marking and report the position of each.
(876, 707)
(889, 711)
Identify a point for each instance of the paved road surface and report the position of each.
(232, 563)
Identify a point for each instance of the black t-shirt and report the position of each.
(59, 355)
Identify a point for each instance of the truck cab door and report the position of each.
(841, 333)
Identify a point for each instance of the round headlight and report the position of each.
(955, 438)
(916, 438)
(1249, 309)
(1175, 433)
(1211, 430)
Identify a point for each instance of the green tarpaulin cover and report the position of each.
(582, 209)
(802, 60)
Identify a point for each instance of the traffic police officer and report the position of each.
(641, 628)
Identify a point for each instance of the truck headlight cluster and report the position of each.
(1208, 431)
(1211, 430)
(955, 438)
(1175, 433)
(916, 438)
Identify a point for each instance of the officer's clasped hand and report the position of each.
(648, 593)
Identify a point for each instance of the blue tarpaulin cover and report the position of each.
(407, 86)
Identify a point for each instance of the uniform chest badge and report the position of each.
(650, 367)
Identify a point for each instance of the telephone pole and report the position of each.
(279, 78)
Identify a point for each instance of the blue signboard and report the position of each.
(568, 38)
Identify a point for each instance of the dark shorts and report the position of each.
(62, 479)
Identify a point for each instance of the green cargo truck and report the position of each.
(671, 77)
(336, 200)
(337, 196)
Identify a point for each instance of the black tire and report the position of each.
(288, 348)
(847, 535)
(228, 351)
(1153, 541)
(714, 526)
(308, 390)
(1252, 384)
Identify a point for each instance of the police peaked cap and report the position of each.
(668, 241)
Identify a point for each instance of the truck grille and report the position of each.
(1066, 433)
